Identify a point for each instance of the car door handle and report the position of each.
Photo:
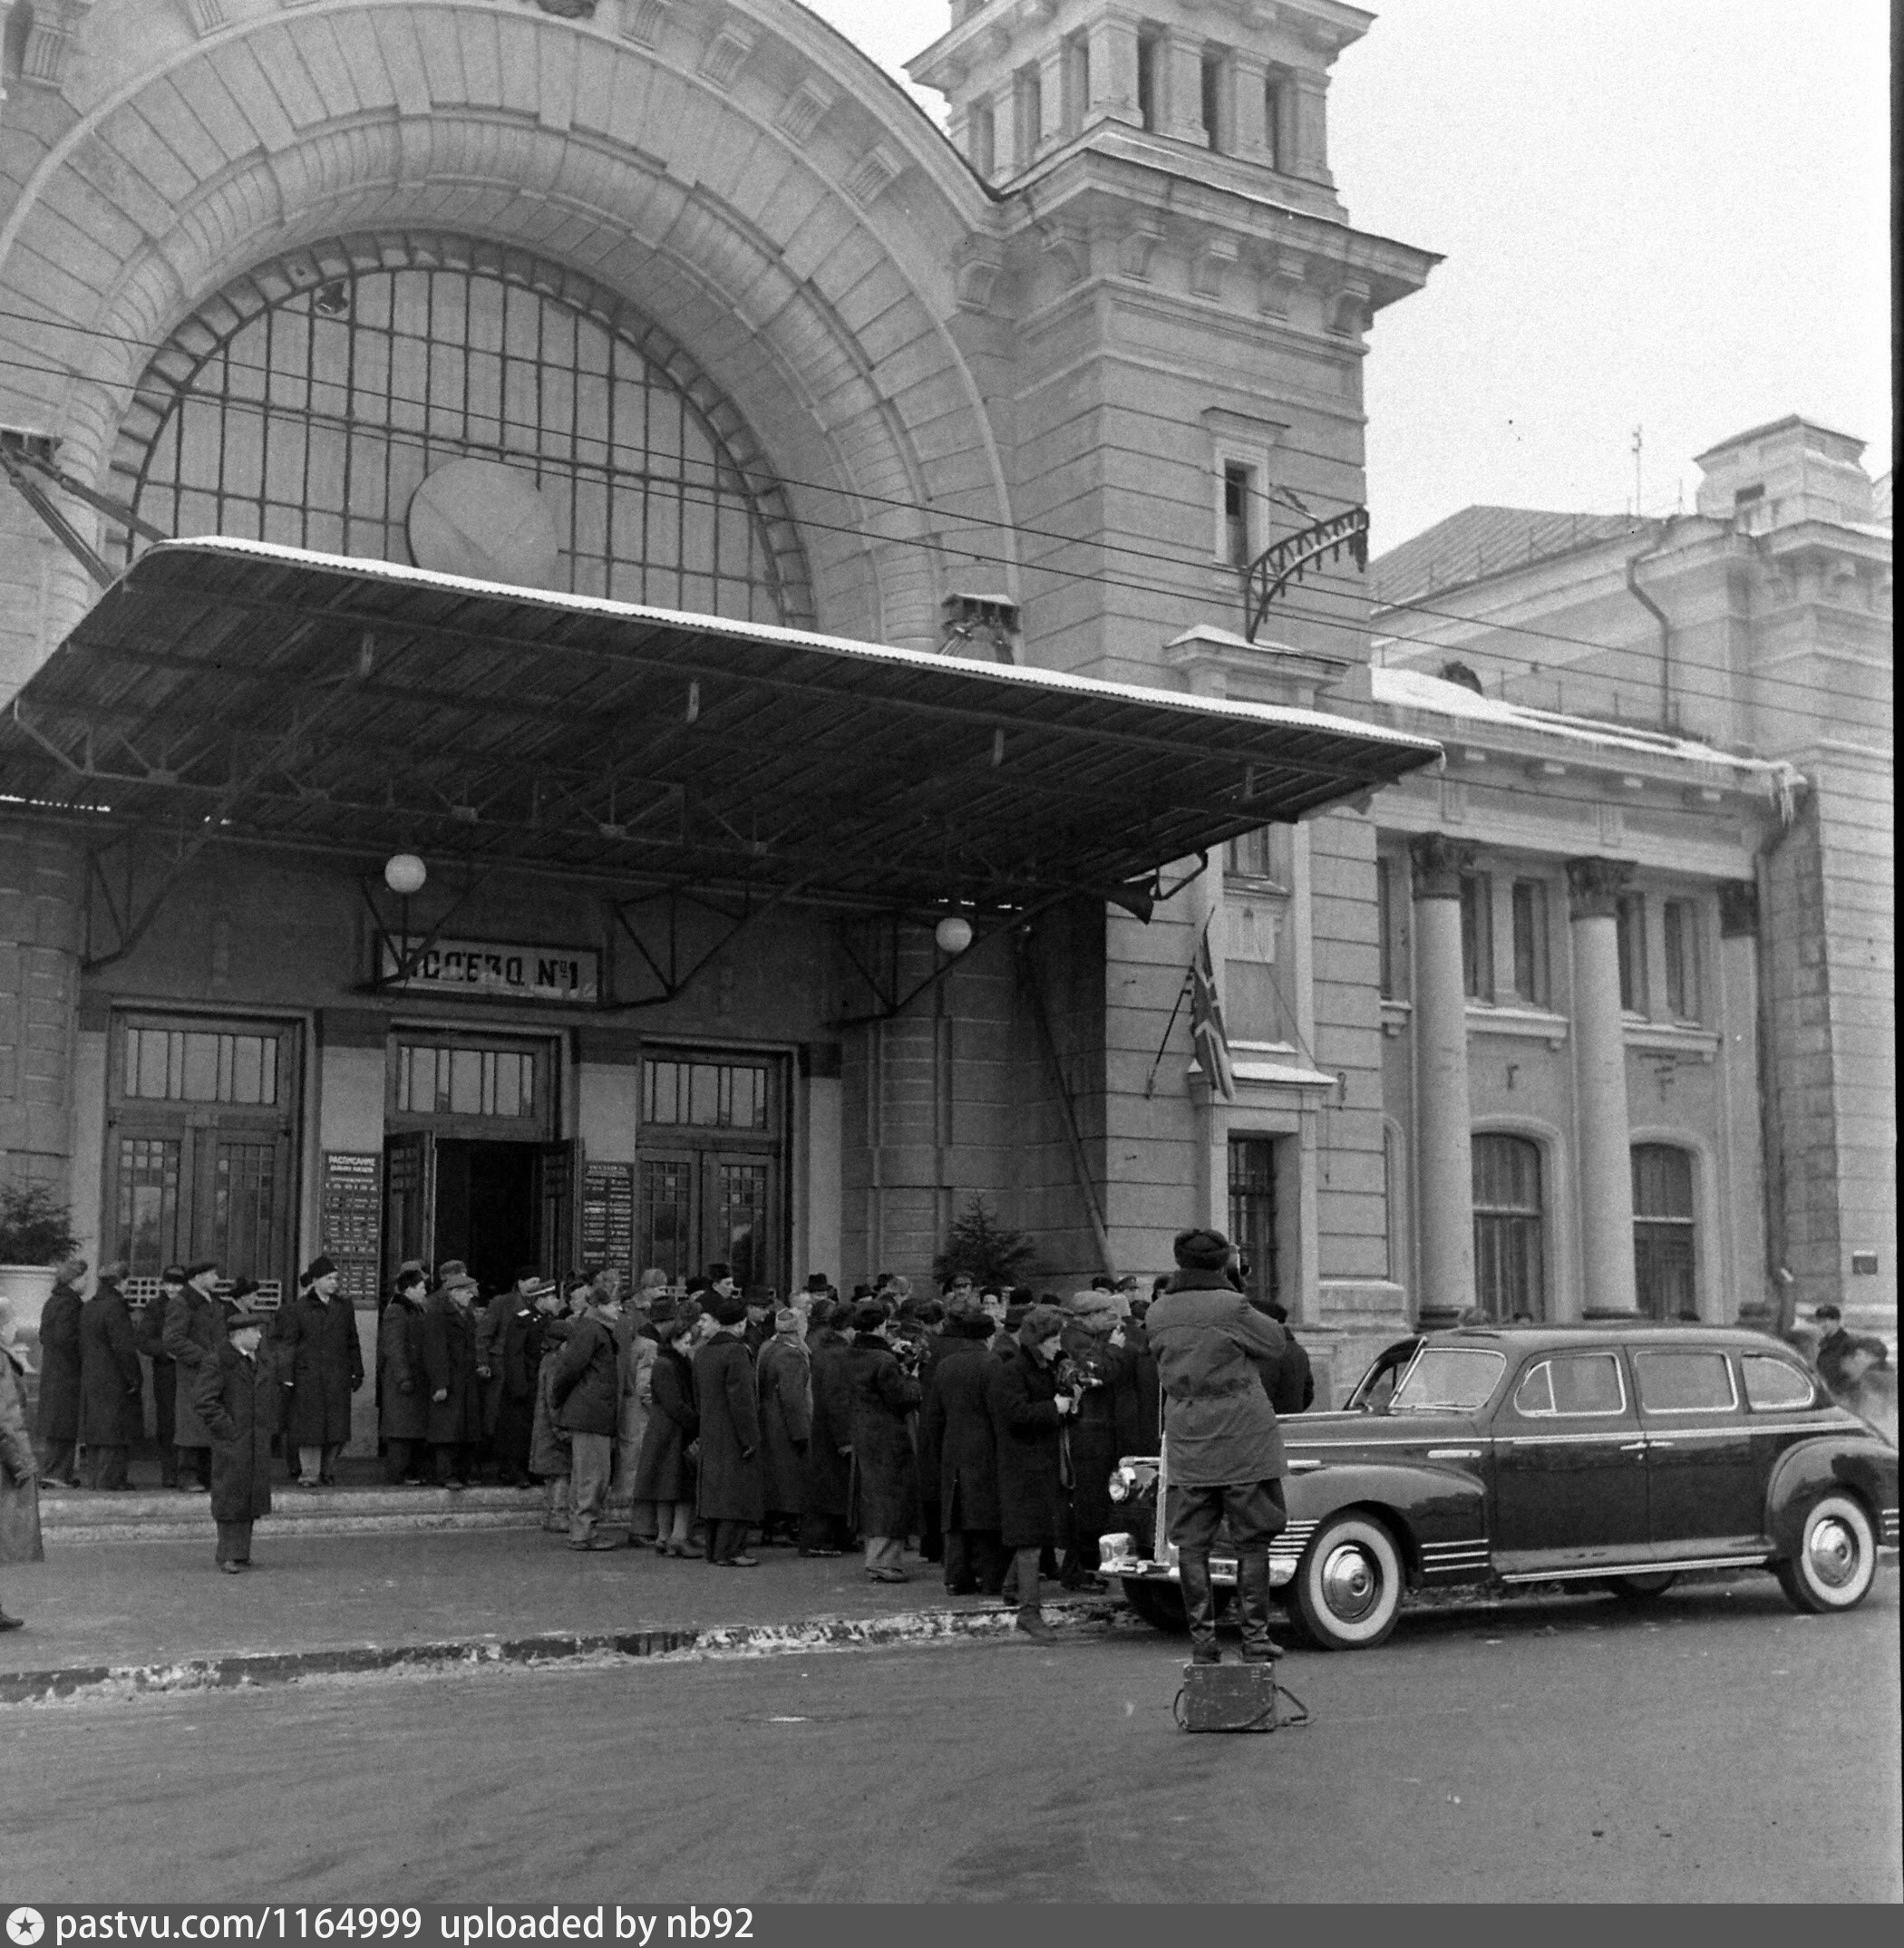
(1655, 1440)
(1455, 1454)
(1635, 1447)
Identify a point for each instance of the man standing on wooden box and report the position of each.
(1225, 1450)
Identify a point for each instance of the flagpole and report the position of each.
(1184, 988)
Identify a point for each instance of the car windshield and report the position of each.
(1457, 1376)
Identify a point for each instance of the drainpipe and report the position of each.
(1659, 615)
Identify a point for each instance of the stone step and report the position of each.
(163, 1515)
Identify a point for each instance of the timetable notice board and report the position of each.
(608, 1215)
(350, 1221)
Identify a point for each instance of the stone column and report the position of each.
(1445, 1150)
(1748, 1215)
(1309, 90)
(1251, 138)
(1052, 76)
(1180, 57)
(1599, 1055)
(1113, 42)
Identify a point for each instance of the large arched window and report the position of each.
(1665, 1258)
(309, 402)
(1510, 1247)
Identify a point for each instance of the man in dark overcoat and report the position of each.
(585, 1389)
(112, 1383)
(448, 1336)
(403, 1385)
(321, 1361)
(728, 1493)
(1028, 1410)
(57, 1420)
(885, 1482)
(1290, 1382)
(1093, 1345)
(959, 1452)
(517, 1350)
(491, 1322)
(784, 1371)
(149, 1326)
(1225, 1453)
(828, 1472)
(194, 1336)
(236, 1396)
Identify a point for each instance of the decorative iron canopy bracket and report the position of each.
(28, 460)
(1291, 558)
(665, 961)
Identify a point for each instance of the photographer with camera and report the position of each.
(1225, 1450)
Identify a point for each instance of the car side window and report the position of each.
(1686, 1382)
(1772, 1382)
(1573, 1383)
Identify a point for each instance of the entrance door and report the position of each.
(713, 1156)
(497, 1205)
(409, 1200)
(200, 1153)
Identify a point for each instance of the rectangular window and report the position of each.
(1238, 490)
(1633, 953)
(437, 1080)
(1077, 82)
(1477, 936)
(1030, 101)
(1685, 1383)
(1679, 923)
(1253, 855)
(186, 1065)
(1386, 928)
(1211, 103)
(1252, 1212)
(1273, 120)
(1531, 943)
(707, 1095)
(981, 139)
(1148, 62)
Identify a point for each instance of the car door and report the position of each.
(1569, 1467)
(1704, 1492)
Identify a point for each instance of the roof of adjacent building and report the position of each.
(242, 691)
(1481, 541)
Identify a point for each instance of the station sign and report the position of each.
(494, 969)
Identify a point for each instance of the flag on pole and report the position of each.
(1208, 1035)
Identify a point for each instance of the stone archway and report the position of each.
(743, 177)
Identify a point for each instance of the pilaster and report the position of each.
(1599, 1048)
(1445, 1172)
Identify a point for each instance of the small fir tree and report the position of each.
(979, 1244)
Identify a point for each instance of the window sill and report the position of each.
(1670, 1038)
(1530, 1024)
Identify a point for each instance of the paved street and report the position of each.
(1717, 1748)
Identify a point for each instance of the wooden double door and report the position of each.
(497, 1205)
(703, 1205)
(201, 1145)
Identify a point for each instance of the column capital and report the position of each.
(1593, 887)
(1439, 862)
(1738, 909)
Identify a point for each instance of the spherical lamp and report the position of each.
(405, 872)
(954, 933)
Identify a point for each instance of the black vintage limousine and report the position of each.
(1623, 1455)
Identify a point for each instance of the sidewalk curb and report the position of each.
(250, 1670)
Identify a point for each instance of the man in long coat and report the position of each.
(784, 1371)
(57, 1420)
(827, 1476)
(402, 1386)
(149, 1327)
(1093, 1345)
(112, 1383)
(490, 1324)
(517, 1350)
(585, 1389)
(959, 1453)
(236, 1397)
(321, 1363)
(194, 1336)
(454, 1422)
(729, 1492)
(1028, 1412)
(885, 1482)
(1225, 1453)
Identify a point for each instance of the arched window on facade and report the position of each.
(327, 398)
(1510, 1246)
(1664, 1232)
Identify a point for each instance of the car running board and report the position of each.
(1678, 1565)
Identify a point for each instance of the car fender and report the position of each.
(1864, 1465)
(1425, 1503)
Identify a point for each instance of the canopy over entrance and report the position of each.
(235, 691)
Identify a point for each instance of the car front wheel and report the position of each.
(1348, 1590)
(1836, 1559)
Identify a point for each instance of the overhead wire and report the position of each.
(946, 517)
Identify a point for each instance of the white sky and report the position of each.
(1671, 214)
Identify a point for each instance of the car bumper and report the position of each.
(1117, 1556)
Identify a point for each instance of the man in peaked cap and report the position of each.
(236, 1397)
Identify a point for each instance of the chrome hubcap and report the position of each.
(1833, 1550)
(1351, 1583)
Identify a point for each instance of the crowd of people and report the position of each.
(982, 1423)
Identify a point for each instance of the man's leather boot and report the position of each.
(1253, 1600)
(1199, 1606)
